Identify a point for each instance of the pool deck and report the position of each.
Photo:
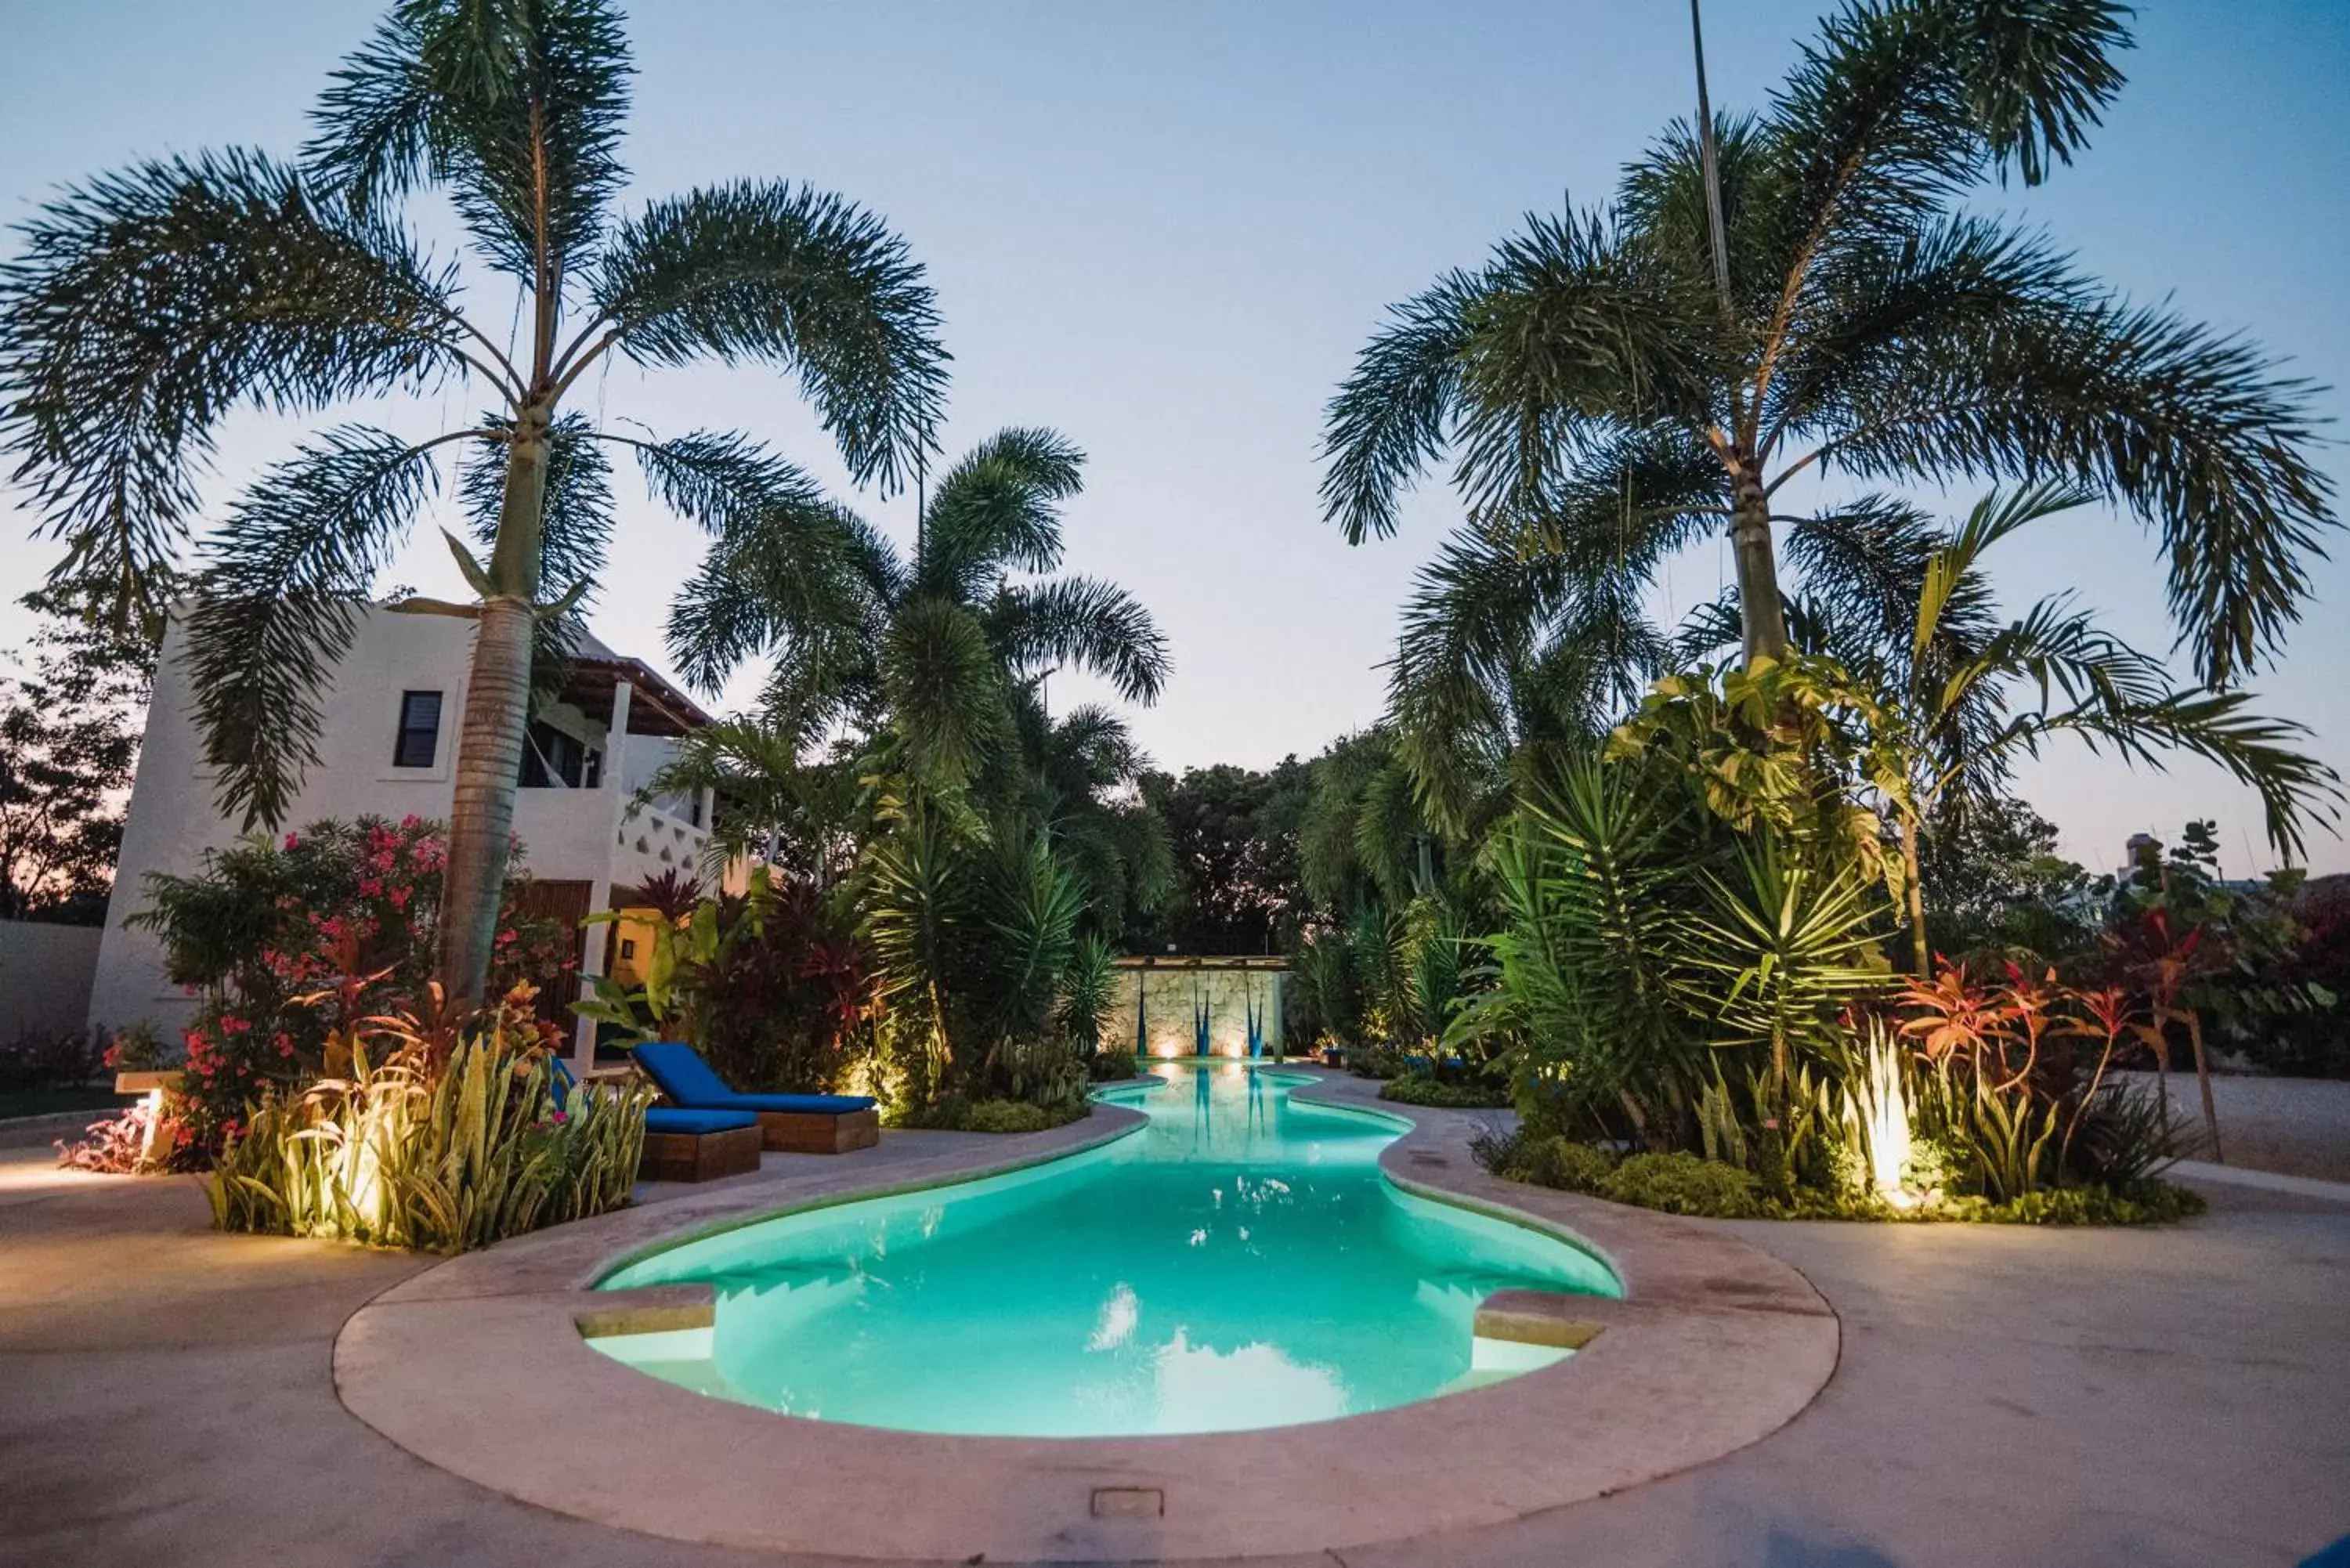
(2003, 1394)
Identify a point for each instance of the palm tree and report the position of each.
(986, 833)
(1077, 777)
(1955, 695)
(933, 650)
(1502, 650)
(1612, 390)
(151, 302)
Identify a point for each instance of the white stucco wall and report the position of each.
(568, 834)
(45, 977)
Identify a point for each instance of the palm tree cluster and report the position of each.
(1801, 290)
(994, 849)
(1691, 875)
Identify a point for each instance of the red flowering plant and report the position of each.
(292, 943)
(2013, 1076)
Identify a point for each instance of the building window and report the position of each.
(419, 730)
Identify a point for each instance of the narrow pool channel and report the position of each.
(1239, 1262)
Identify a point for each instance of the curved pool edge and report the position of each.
(1506, 1213)
(1119, 1129)
(1715, 1346)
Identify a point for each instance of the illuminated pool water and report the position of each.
(1239, 1262)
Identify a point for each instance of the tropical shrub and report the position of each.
(52, 1058)
(992, 1114)
(1113, 1067)
(1420, 1088)
(978, 953)
(772, 985)
(1690, 965)
(290, 943)
(431, 1141)
(1683, 1183)
(1545, 1159)
(1697, 895)
(1006, 1116)
(114, 1145)
(1088, 987)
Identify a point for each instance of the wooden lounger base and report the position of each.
(799, 1132)
(699, 1157)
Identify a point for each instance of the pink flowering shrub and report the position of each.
(291, 944)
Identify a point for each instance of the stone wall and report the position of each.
(1170, 990)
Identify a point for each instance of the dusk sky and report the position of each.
(1165, 226)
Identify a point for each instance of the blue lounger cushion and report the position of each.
(802, 1104)
(681, 1073)
(663, 1119)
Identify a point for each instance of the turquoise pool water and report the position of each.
(1239, 1262)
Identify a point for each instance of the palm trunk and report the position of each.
(497, 711)
(1911, 865)
(1761, 617)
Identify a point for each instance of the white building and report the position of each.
(387, 743)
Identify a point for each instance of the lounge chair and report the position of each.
(801, 1123)
(687, 1146)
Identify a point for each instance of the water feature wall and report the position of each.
(1165, 1005)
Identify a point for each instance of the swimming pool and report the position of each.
(1238, 1262)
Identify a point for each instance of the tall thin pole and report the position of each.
(1709, 166)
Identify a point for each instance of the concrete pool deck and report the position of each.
(2146, 1397)
(1715, 1346)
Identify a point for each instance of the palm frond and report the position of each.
(1580, 337)
(796, 278)
(1952, 593)
(1391, 416)
(1863, 309)
(1086, 624)
(995, 512)
(2193, 431)
(942, 683)
(515, 106)
(786, 562)
(146, 305)
(278, 598)
(2297, 792)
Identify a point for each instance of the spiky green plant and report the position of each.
(1088, 985)
(403, 1154)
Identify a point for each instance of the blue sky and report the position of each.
(1165, 226)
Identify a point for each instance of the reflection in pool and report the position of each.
(1240, 1262)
